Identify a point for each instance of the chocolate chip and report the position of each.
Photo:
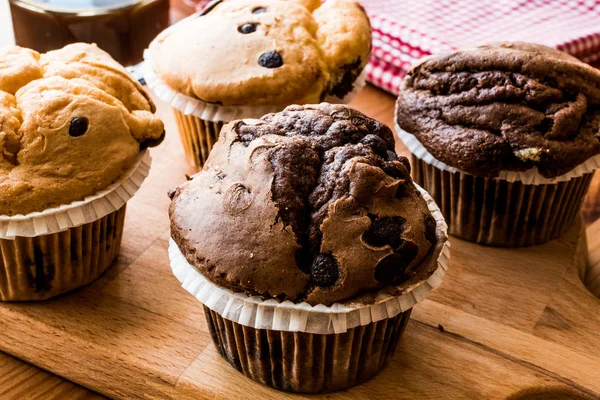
(79, 126)
(546, 125)
(324, 270)
(377, 144)
(259, 10)
(394, 169)
(173, 192)
(270, 59)
(247, 28)
(430, 227)
(385, 231)
(152, 142)
(409, 250)
(391, 269)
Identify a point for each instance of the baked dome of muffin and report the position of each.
(266, 52)
(309, 204)
(72, 122)
(506, 106)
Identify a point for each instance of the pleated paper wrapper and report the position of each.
(199, 122)
(514, 210)
(45, 254)
(305, 362)
(42, 267)
(529, 177)
(78, 213)
(252, 311)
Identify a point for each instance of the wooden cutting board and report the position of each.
(504, 324)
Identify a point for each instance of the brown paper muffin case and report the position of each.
(41, 267)
(306, 362)
(501, 213)
(198, 136)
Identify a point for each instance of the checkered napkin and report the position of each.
(406, 30)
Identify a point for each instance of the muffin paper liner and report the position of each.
(81, 212)
(253, 312)
(529, 177)
(198, 136)
(502, 213)
(304, 362)
(38, 268)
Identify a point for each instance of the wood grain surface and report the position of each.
(503, 322)
(512, 324)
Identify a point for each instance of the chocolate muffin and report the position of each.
(254, 57)
(310, 205)
(514, 126)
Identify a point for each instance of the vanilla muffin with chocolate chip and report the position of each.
(239, 58)
(312, 212)
(74, 128)
(73, 121)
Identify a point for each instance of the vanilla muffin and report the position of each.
(73, 122)
(505, 136)
(240, 58)
(309, 205)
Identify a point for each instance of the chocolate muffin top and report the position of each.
(266, 52)
(507, 106)
(309, 204)
(72, 121)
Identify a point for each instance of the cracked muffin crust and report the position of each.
(309, 204)
(267, 52)
(72, 122)
(507, 106)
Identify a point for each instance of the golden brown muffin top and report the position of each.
(310, 204)
(267, 52)
(72, 122)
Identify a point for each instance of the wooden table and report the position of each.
(145, 241)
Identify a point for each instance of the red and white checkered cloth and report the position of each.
(406, 30)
